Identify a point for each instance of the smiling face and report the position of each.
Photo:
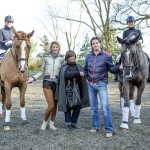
(55, 48)
(9, 24)
(71, 59)
(131, 24)
(96, 45)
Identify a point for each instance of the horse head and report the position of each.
(21, 47)
(128, 54)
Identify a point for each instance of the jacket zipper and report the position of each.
(93, 69)
(53, 66)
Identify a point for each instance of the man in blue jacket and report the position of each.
(97, 64)
(6, 36)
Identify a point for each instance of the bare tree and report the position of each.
(139, 9)
(58, 27)
(98, 12)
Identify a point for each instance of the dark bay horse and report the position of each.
(14, 72)
(135, 74)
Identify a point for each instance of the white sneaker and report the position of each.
(44, 125)
(93, 130)
(51, 125)
(108, 134)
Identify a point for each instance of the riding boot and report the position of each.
(51, 125)
(44, 125)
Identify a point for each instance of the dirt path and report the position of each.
(30, 137)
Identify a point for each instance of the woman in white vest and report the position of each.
(51, 63)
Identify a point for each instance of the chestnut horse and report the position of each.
(135, 74)
(14, 72)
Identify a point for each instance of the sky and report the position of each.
(26, 14)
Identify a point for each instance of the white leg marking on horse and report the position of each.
(23, 113)
(23, 54)
(8, 112)
(132, 111)
(128, 53)
(137, 114)
(125, 118)
(1, 109)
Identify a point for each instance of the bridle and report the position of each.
(137, 59)
(16, 59)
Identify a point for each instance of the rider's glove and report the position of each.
(8, 43)
(139, 42)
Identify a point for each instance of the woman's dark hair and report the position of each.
(70, 53)
(94, 38)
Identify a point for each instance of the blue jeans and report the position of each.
(72, 117)
(100, 89)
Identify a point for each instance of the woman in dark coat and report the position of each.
(69, 71)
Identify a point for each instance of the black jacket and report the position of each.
(127, 32)
(61, 89)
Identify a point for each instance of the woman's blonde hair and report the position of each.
(55, 42)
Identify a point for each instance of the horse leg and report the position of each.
(1, 104)
(140, 90)
(120, 86)
(8, 106)
(131, 97)
(125, 115)
(22, 104)
(2, 101)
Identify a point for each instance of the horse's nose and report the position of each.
(129, 76)
(22, 71)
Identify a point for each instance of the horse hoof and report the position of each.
(124, 126)
(6, 128)
(137, 121)
(24, 122)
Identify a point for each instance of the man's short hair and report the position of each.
(94, 38)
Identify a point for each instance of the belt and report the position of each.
(50, 77)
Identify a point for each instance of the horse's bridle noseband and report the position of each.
(20, 59)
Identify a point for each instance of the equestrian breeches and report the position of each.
(52, 105)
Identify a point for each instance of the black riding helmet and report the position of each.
(9, 18)
(130, 19)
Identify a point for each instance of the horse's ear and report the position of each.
(120, 40)
(14, 31)
(30, 34)
(133, 41)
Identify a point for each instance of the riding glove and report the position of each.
(8, 43)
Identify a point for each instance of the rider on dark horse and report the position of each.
(6, 36)
(131, 30)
